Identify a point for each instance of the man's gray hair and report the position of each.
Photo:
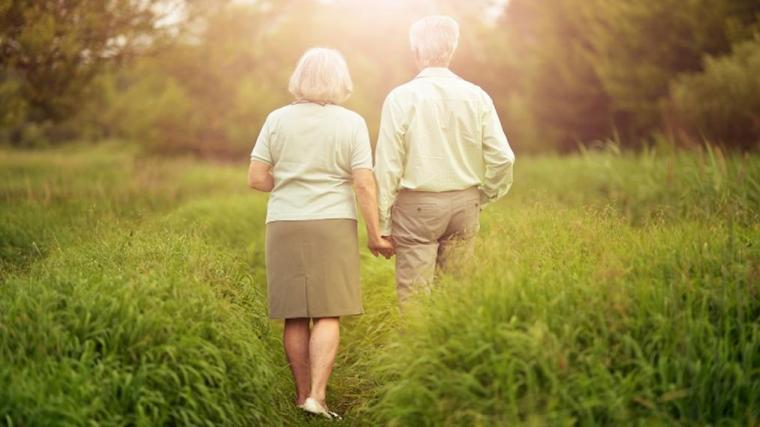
(434, 39)
(321, 76)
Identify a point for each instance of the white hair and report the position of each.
(321, 76)
(434, 39)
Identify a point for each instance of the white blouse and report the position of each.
(313, 150)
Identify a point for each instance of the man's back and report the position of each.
(441, 116)
(440, 133)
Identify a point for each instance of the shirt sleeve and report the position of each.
(389, 160)
(361, 150)
(497, 155)
(261, 151)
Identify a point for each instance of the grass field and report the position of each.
(609, 289)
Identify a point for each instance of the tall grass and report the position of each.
(581, 318)
(49, 197)
(608, 288)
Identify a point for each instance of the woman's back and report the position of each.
(313, 149)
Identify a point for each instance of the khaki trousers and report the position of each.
(432, 231)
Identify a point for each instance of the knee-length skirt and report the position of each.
(313, 268)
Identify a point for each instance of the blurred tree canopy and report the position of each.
(50, 51)
(561, 72)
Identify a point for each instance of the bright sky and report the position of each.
(175, 9)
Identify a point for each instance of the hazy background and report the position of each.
(200, 76)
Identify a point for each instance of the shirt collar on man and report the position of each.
(436, 72)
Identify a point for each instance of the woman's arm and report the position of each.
(260, 176)
(366, 194)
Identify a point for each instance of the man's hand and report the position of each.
(382, 245)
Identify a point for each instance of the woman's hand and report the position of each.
(384, 246)
(366, 194)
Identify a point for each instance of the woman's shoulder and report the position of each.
(345, 114)
(279, 112)
(331, 112)
(275, 116)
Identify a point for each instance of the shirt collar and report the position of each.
(436, 72)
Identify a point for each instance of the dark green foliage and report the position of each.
(722, 103)
(601, 70)
(560, 93)
(51, 50)
(639, 48)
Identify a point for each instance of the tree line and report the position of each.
(200, 76)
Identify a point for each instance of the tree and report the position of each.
(639, 47)
(51, 50)
(721, 103)
(556, 97)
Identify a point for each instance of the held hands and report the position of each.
(382, 245)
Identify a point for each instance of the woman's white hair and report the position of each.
(321, 76)
(434, 39)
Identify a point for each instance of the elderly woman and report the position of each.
(308, 155)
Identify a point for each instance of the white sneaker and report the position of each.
(312, 406)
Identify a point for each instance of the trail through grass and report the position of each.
(608, 289)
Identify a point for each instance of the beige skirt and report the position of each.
(313, 268)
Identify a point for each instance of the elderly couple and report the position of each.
(441, 155)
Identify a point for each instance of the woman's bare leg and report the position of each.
(296, 339)
(325, 336)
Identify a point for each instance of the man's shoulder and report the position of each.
(410, 89)
(475, 90)
(401, 91)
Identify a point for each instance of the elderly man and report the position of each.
(441, 157)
